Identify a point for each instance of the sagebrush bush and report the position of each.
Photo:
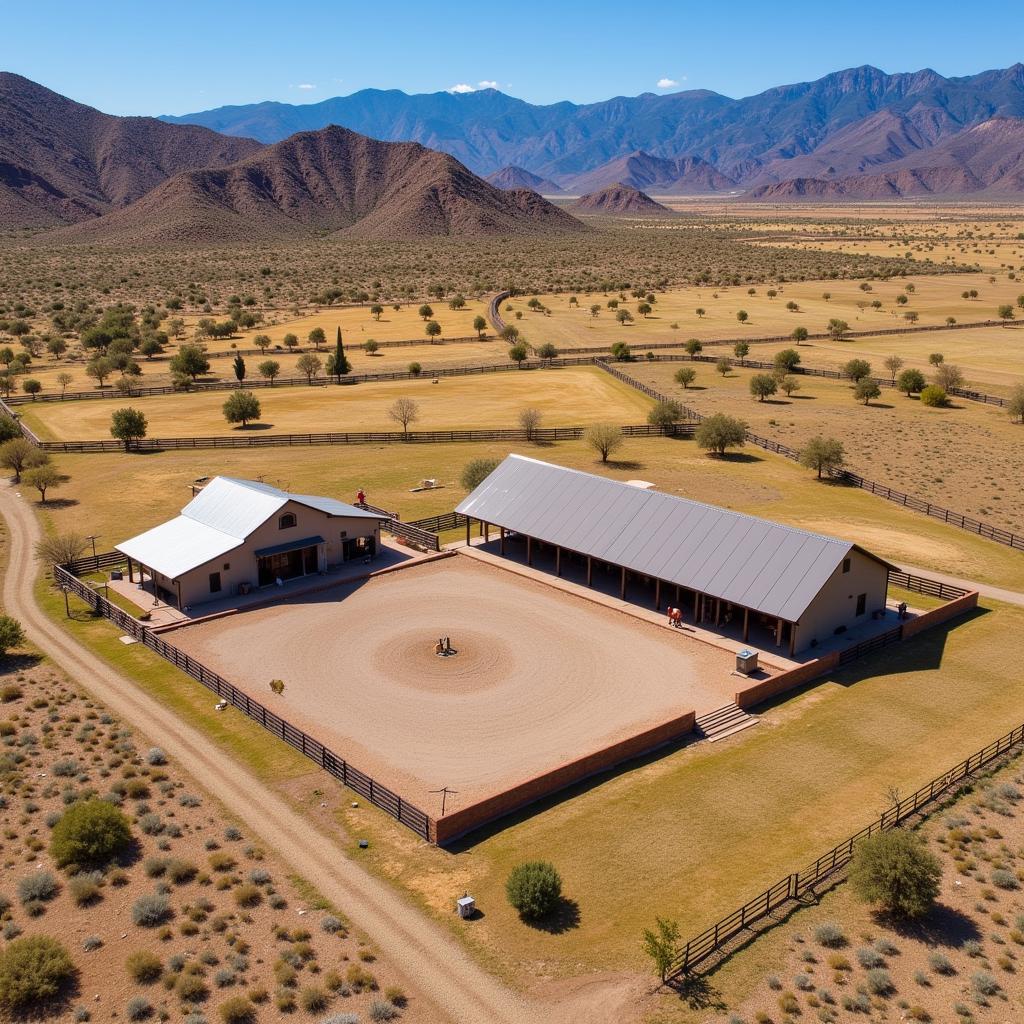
(1003, 879)
(40, 885)
(85, 887)
(534, 888)
(144, 966)
(313, 999)
(984, 983)
(33, 971)
(149, 911)
(829, 935)
(237, 1010)
(381, 1010)
(138, 1008)
(93, 832)
(331, 924)
(879, 982)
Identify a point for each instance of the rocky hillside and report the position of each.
(62, 162)
(683, 176)
(619, 200)
(322, 182)
(518, 177)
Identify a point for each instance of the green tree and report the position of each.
(43, 478)
(518, 354)
(269, 369)
(415, 369)
(661, 944)
(787, 383)
(1015, 403)
(241, 407)
(377, 311)
(34, 970)
(624, 317)
(742, 315)
(534, 888)
(90, 833)
(693, 347)
(262, 342)
(433, 329)
(665, 414)
(621, 351)
(370, 346)
(190, 360)
(239, 367)
(864, 390)
(685, 376)
(644, 309)
(910, 381)
(936, 359)
(19, 454)
(129, 426)
(317, 336)
(337, 363)
(787, 360)
(723, 365)
(604, 438)
(741, 350)
(291, 341)
(893, 364)
(837, 328)
(857, 369)
(309, 364)
(719, 432)
(99, 368)
(476, 471)
(479, 325)
(31, 387)
(425, 312)
(896, 872)
(799, 334)
(11, 634)
(547, 352)
(762, 385)
(823, 454)
(1006, 312)
(510, 333)
(934, 396)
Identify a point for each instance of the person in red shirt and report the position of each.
(360, 497)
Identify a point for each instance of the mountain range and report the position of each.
(849, 123)
(92, 177)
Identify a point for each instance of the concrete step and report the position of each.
(723, 721)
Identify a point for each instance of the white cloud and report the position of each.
(306, 85)
(485, 84)
(461, 87)
(667, 83)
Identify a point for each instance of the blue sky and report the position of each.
(182, 56)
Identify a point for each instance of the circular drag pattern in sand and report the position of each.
(483, 661)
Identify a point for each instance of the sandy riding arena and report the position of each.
(540, 677)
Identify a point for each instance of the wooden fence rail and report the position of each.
(379, 795)
(799, 884)
(925, 585)
(957, 519)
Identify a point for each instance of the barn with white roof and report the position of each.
(237, 535)
(767, 581)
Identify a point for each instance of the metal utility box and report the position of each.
(466, 906)
(746, 661)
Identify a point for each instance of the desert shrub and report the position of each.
(788, 1003)
(138, 1008)
(191, 988)
(195, 1017)
(381, 1010)
(33, 971)
(85, 888)
(11, 692)
(224, 977)
(393, 994)
(151, 824)
(149, 911)
(879, 982)
(534, 888)
(144, 966)
(237, 1010)
(40, 885)
(156, 756)
(7, 729)
(259, 876)
(984, 983)
(232, 834)
(341, 1018)
(313, 999)
(360, 978)
(973, 948)
(1003, 879)
(65, 768)
(332, 925)
(91, 943)
(934, 396)
(221, 861)
(248, 895)
(941, 964)
(869, 958)
(829, 935)
(896, 871)
(189, 800)
(92, 832)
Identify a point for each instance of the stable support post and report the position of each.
(622, 586)
(718, 612)
(746, 625)
(487, 532)
(778, 632)
(657, 595)
(558, 560)
(696, 607)
(529, 551)
(792, 639)
(590, 571)
(131, 572)
(469, 527)
(502, 540)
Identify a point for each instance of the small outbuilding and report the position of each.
(791, 587)
(238, 535)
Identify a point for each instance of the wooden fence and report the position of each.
(365, 785)
(957, 519)
(801, 883)
(925, 585)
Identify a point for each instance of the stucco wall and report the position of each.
(836, 602)
(239, 566)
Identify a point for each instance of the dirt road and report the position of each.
(436, 967)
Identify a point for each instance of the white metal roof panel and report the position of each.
(178, 546)
(765, 566)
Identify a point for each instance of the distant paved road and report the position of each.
(985, 589)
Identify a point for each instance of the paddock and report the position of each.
(541, 678)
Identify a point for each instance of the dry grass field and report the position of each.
(967, 457)
(565, 396)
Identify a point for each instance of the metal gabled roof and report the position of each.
(178, 546)
(765, 566)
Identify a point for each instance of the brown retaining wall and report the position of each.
(943, 613)
(458, 823)
(768, 688)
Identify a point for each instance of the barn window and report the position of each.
(286, 521)
(846, 565)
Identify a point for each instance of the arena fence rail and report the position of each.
(65, 577)
(720, 935)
